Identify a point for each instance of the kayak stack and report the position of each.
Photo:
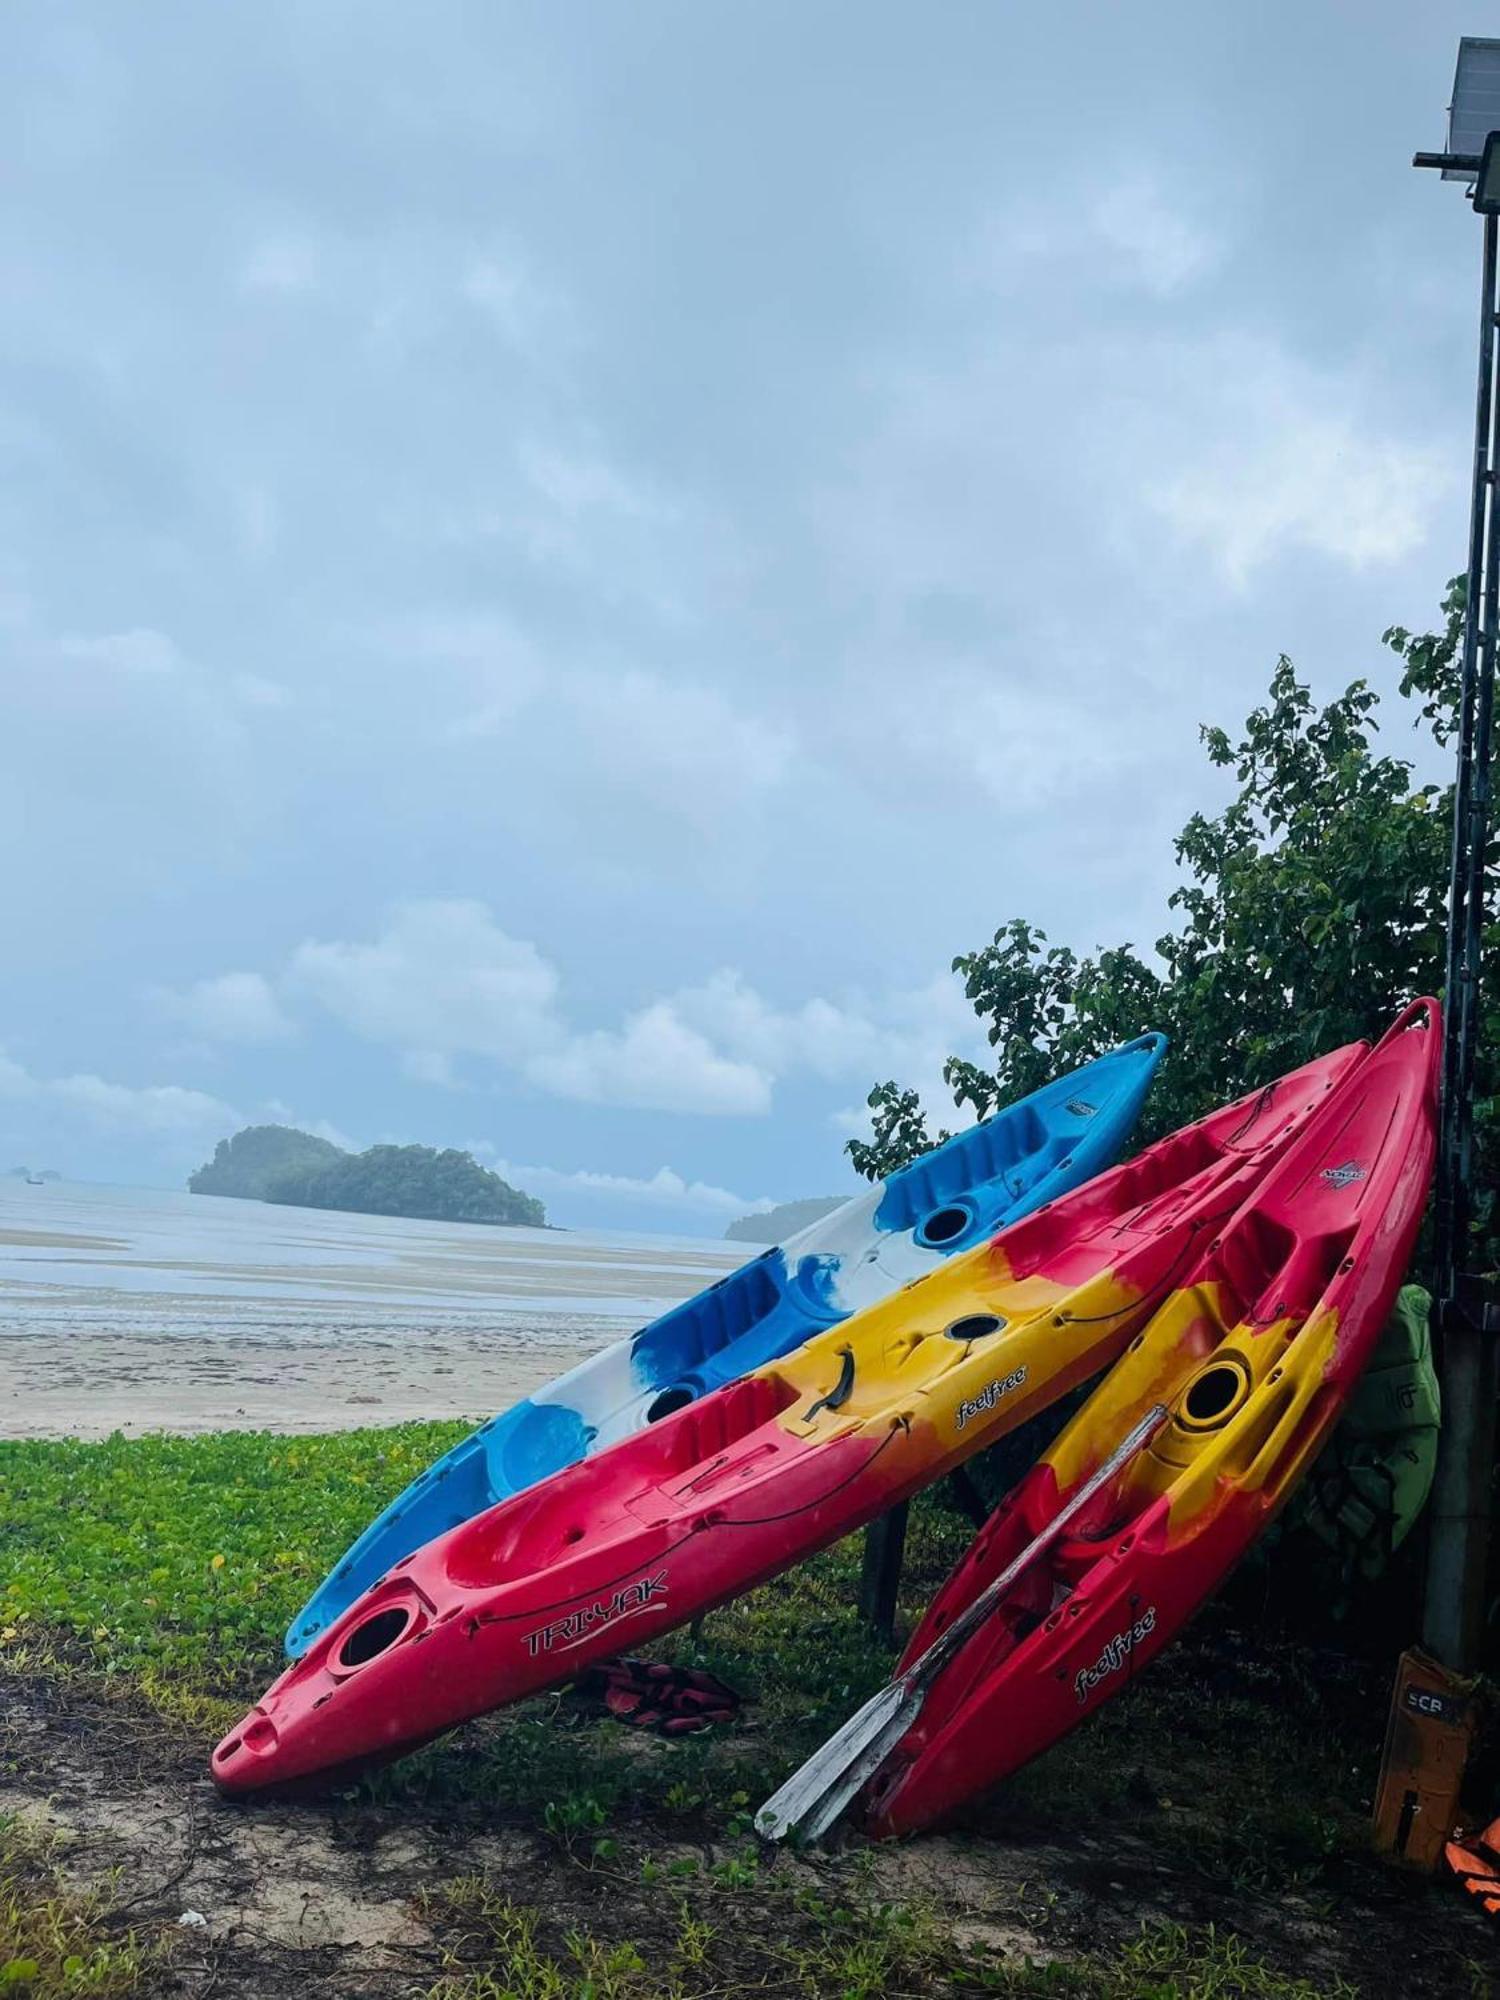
(868, 1247)
(747, 1479)
(1202, 1431)
(1232, 1279)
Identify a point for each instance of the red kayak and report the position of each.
(717, 1497)
(1218, 1408)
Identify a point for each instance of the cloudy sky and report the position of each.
(557, 563)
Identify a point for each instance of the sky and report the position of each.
(557, 564)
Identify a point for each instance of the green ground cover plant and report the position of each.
(173, 1564)
(186, 1557)
(55, 1945)
(164, 1570)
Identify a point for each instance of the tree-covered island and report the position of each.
(279, 1164)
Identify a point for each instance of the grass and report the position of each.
(187, 1557)
(705, 1937)
(1243, 1768)
(57, 1946)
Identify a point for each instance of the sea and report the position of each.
(77, 1251)
(139, 1308)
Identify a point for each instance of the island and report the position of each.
(775, 1225)
(277, 1163)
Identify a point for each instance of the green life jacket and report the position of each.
(1372, 1481)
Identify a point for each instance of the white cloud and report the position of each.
(255, 691)
(284, 264)
(429, 1066)
(162, 1109)
(234, 1007)
(531, 317)
(679, 745)
(1289, 457)
(1024, 743)
(275, 1112)
(852, 1120)
(156, 1108)
(665, 1189)
(906, 1033)
(257, 519)
(1131, 232)
(14, 1080)
(655, 1062)
(141, 650)
(677, 729)
(1158, 243)
(577, 483)
(442, 979)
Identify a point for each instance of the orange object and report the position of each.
(1427, 1744)
(1475, 1865)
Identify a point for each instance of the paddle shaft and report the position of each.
(924, 1670)
(856, 1752)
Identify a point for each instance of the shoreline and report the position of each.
(137, 1311)
(89, 1384)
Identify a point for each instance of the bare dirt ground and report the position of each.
(325, 1898)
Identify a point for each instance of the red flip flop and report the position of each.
(648, 1694)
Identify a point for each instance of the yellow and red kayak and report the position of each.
(1221, 1402)
(751, 1478)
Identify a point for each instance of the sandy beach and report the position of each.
(134, 1310)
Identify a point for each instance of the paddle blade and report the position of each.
(813, 1797)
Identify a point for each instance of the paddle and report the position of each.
(813, 1797)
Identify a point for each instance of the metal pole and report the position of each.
(880, 1572)
(1450, 1223)
(1453, 1612)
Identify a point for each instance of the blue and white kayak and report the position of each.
(960, 1194)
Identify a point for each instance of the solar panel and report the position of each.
(1475, 110)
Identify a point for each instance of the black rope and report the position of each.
(1163, 1284)
(1262, 1103)
(901, 1425)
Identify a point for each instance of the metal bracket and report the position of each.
(1473, 1304)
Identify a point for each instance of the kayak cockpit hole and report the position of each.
(944, 1225)
(669, 1402)
(376, 1636)
(975, 1326)
(1214, 1394)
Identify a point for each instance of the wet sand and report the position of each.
(135, 1311)
(77, 1381)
